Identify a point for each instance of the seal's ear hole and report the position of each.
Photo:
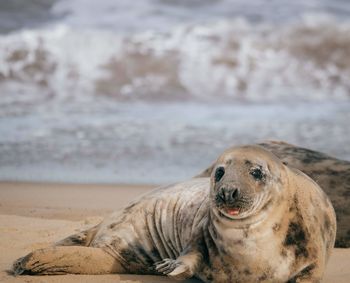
(285, 163)
(219, 173)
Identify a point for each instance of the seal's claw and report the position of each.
(174, 269)
(166, 266)
(181, 272)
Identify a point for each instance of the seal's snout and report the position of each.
(228, 195)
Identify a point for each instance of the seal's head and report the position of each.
(245, 180)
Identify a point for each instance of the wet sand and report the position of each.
(34, 215)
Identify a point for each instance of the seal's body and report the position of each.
(253, 220)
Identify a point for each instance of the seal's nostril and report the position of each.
(234, 193)
(222, 194)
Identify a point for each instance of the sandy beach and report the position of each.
(34, 215)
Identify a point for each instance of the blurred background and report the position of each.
(151, 91)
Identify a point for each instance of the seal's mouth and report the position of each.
(244, 208)
(240, 208)
(234, 209)
(230, 212)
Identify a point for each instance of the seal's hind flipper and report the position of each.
(83, 238)
(67, 260)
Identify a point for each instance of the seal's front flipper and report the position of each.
(174, 269)
(63, 260)
(181, 268)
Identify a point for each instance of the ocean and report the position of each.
(152, 91)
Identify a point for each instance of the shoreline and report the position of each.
(35, 215)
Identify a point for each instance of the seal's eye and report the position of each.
(257, 174)
(219, 173)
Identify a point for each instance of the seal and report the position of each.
(330, 173)
(254, 220)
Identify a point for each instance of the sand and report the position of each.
(34, 215)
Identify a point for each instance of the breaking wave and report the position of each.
(308, 60)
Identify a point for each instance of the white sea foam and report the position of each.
(308, 61)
